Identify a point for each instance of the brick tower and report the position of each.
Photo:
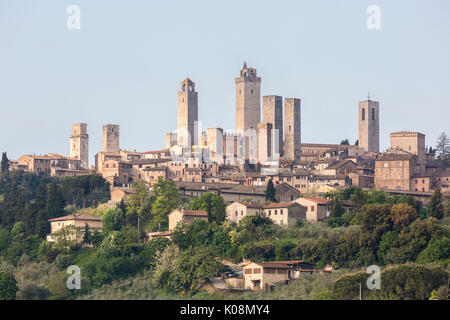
(79, 144)
(187, 114)
(369, 129)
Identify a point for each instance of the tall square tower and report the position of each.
(272, 112)
(292, 128)
(248, 100)
(187, 114)
(369, 129)
(79, 144)
(111, 138)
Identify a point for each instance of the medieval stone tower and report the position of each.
(369, 129)
(248, 100)
(272, 112)
(292, 128)
(111, 138)
(79, 144)
(187, 114)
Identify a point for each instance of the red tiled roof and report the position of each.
(78, 216)
(194, 213)
(318, 200)
(280, 205)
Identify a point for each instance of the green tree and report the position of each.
(113, 220)
(270, 192)
(402, 215)
(359, 197)
(4, 164)
(86, 234)
(166, 199)
(436, 206)
(336, 209)
(437, 250)
(55, 202)
(8, 286)
(12, 206)
(211, 203)
(345, 142)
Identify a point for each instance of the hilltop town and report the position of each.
(248, 213)
(266, 144)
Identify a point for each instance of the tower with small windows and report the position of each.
(292, 128)
(369, 129)
(187, 114)
(79, 144)
(248, 100)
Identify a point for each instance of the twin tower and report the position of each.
(248, 116)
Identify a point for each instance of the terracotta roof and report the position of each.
(154, 152)
(272, 265)
(280, 205)
(200, 213)
(395, 157)
(318, 200)
(78, 216)
(252, 205)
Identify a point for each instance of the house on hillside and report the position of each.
(77, 220)
(285, 213)
(238, 210)
(185, 216)
(316, 208)
(264, 275)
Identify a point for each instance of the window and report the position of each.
(242, 212)
(256, 270)
(373, 113)
(251, 91)
(312, 208)
(281, 211)
(275, 212)
(363, 114)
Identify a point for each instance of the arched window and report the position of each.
(373, 113)
(363, 117)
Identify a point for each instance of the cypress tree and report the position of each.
(270, 192)
(4, 163)
(436, 206)
(55, 202)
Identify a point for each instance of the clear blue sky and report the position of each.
(125, 64)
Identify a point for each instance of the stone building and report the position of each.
(410, 142)
(265, 148)
(316, 208)
(292, 129)
(238, 210)
(111, 138)
(77, 220)
(187, 135)
(248, 104)
(79, 144)
(285, 213)
(369, 129)
(185, 216)
(262, 275)
(394, 171)
(272, 112)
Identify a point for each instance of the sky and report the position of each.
(125, 64)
